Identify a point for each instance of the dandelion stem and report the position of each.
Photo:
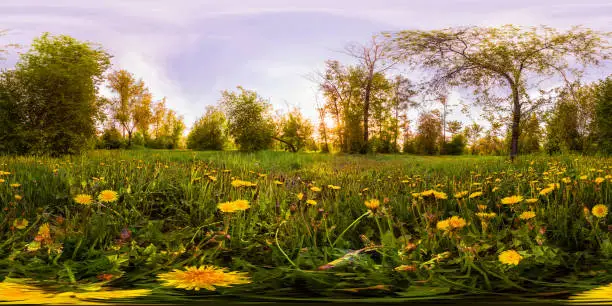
(281, 249)
(351, 225)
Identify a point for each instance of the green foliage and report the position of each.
(456, 146)
(51, 97)
(249, 119)
(529, 139)
(209, 132)
(428, 133)
(603, 115)
(296, 130)
(111, 139)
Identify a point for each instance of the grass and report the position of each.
(166, 218)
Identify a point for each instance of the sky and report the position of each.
(190, 50)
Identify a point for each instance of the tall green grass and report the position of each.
(168, 208)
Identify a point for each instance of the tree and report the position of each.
(508, 57)
(472, 133)
(209, 132)
(249, 120)
(454, 127)
(603, 119)
(530, 135)
(322, 126)
(372, 59)
(54, 88)
(571, 122)
(401, 101)
(295, 130)
(428, 132)
(131, 107)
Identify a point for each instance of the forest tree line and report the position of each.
(50, 102)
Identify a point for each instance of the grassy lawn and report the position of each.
(316, 227)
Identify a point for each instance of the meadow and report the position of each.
(182, 226)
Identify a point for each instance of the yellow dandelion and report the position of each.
(2, 181)
(546, 191)
(416, 195)
(443, 225)
(20, 223)
(18, 197)
(242, 204)
(482, 207)
(108, 196)
(212, 178)
(44, 231)
(300, 196)
(80, 297)
(427, 193)
(461, 194)
(311, 202)
(600, 211)
(333, 187)
(278, 183)
(204, 277)
(600, 295)
(241, 183)
(440, 195)
(372, 204)
(584, 177)
(475, 194)
(599, 180)
(495, 189)
(510, 257)
(15, 185)
(531, 200)
(512, 200)
(315, 189)
(83, 199)
(24, 294)
(233, 206)
(566, 180)
(486, 215)
(527, 215)
(456, 222)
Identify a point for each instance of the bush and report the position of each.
(456, 146)
(208, 132)
(111, 139)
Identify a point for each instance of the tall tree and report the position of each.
(428, 132)
(603, 117)
(249, 120)
(508, 57)
(54, 87)
(454, 127)
(402, 100)
(128, 105)
(372, 58)
(322, 126)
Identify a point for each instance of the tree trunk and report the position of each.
(516, 120)
(366, 113)
(291, 146)
(129, 139)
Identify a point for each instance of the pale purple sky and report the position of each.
(188, 50)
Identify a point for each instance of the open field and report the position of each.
(311, 226)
